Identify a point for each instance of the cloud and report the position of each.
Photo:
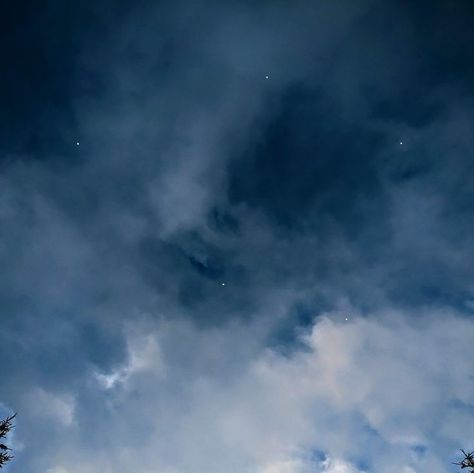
(127, 352)
(51, 407)
(370, 391)
(57, 470)
(338, 466)
(143, 355)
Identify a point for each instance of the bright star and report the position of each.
(223, 283)
(266, 77)
(77, 143)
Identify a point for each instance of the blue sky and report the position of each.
(237, 236)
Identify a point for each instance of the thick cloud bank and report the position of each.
(380, 393)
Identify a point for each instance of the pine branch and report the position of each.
(467, 461)
(6, 425)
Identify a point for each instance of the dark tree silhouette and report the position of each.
(5, 426)
(467, 461)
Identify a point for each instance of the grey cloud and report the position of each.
(195, 170)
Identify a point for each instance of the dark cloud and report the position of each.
(241, 169)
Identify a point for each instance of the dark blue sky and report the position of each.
(233, 234)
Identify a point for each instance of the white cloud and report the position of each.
(335, 465)
(57, 407)
(144, 355)
(291, 465)
(57, 470)
(370, 389)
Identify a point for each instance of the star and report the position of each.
(401, 142)
(266, 77)
(223, 284)
(77, 143)
(346, 319)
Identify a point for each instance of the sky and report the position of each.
(237, 235)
